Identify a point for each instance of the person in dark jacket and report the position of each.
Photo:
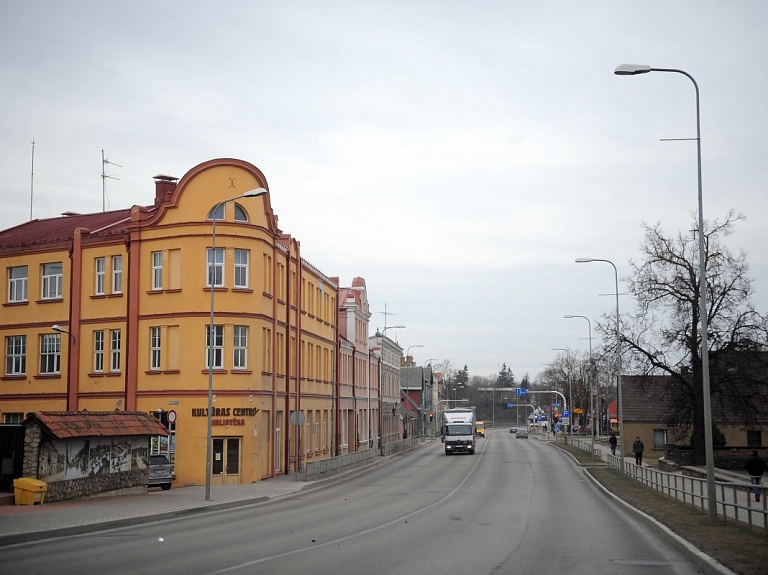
(755, 466)
(637, 449)
(613, 441)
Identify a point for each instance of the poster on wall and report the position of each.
(61, 460)
(78, 458)
(120, 457)
(100, 455)
(53, 461)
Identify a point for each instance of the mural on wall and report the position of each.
(61, 460)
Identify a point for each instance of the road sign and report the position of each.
(520, 391)
(565, 421)
(510, 405)
(555, 404)
(565, 413)
(578, 410)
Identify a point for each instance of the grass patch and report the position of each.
(740, 549)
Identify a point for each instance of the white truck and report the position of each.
(458, 430)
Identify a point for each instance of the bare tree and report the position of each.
(663, 337)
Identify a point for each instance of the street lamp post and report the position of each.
(62, 330)
(592, 421)
(212, 281)
(632, 70)
(618, 360)
(570, 394)
(408, 350)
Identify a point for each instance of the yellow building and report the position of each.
(129, 293)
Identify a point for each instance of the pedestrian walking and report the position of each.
(613, 441)
(755, 466)
(637, 449)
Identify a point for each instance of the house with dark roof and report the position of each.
(87, 453)
(648, 400)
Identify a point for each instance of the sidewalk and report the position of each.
(23, 523)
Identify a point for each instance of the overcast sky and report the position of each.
(458, 155)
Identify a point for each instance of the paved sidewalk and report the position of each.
(22, 523)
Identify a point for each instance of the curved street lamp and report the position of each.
(591, 384)
(632, 70)
(212, 280)
(620, 411)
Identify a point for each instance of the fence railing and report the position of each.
(734, 499)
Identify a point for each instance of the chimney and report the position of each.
(164, 187)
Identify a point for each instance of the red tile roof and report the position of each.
(70, 424)
(60, 229)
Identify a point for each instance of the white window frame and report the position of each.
(155, 340)
(16, 355)
(52, 280)
(241, 268)
(98, 351)
(218, 346)
(101, 275)
(240, 347)
(13, 417)
(214, 267)
(50, 353)
(18, 284)
(117, 274)
(157, 271)
(114, 350)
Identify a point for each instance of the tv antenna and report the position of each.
(386, 313)
(104, 177)
(32, 180)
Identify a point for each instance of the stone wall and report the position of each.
(98, 485)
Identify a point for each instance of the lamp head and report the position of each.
(631, 69)
(254, 193)
(568, 316)
(584, 260)
(57, 327)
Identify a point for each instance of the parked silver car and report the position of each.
(160, 472)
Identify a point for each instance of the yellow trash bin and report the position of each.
(28, 491)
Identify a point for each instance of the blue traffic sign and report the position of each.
(566, 413)
(520, 391)
(510, 405)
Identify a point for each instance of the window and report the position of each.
(157, 270)
(50, 353)
(98, 351)
(754, 438)
(219, 215)
(114, 363)
(659, 438)
(267, 273)
(100, 275)
(154, 349)
(13, 417)
(117, 274)
(52, 281)
(217, 350)
(241, 268)
(17, 283)
(16, 355)
(240, 347)
(240, 215)
(215, 267)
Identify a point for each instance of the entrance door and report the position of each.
(225, 467)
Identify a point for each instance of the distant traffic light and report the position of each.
(431, 416)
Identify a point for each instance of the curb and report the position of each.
(701, 560)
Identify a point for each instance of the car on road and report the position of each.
(513, 430)
(521, 434)
(160, 472)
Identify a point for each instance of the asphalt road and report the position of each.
(517, 506)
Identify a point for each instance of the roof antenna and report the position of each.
(104, 177)
(32, 180)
